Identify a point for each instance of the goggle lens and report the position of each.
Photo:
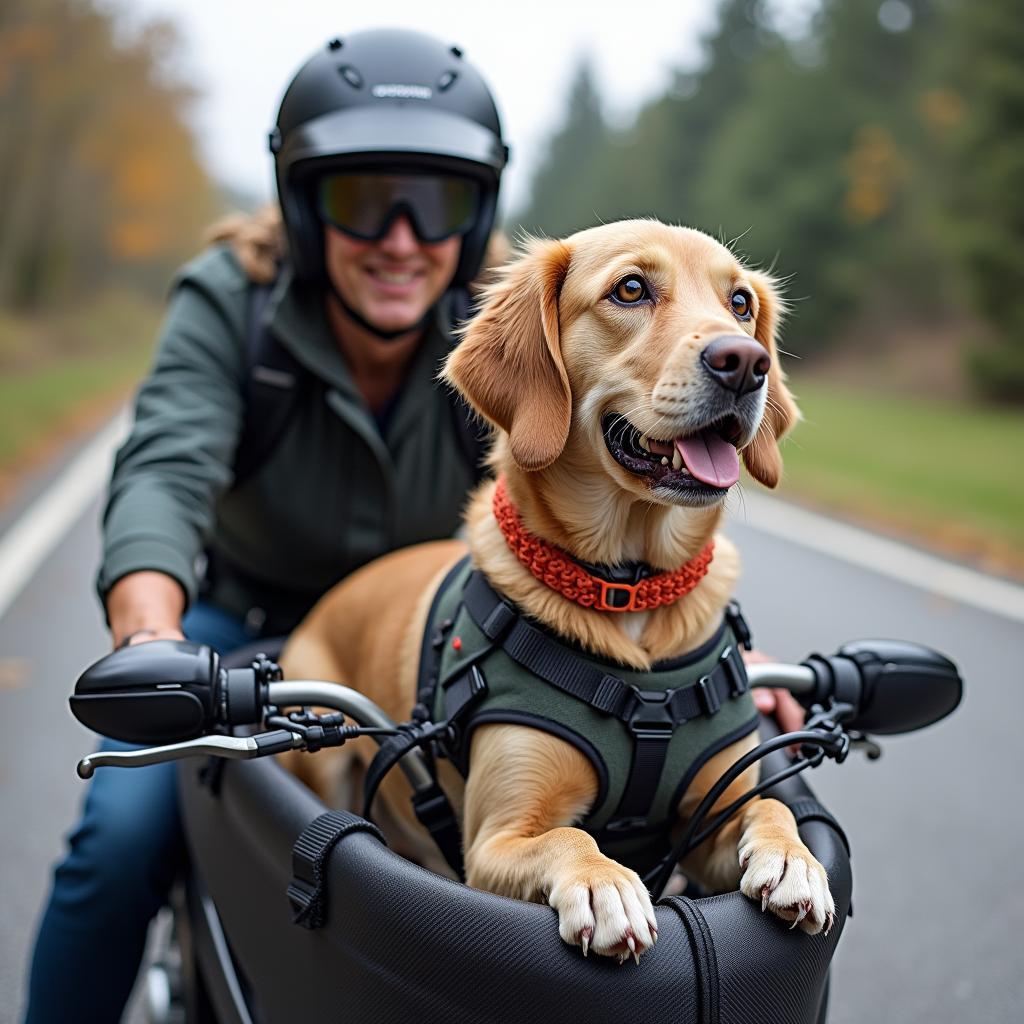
(364, 205)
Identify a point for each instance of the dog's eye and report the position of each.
(741, 303)
(630, 290)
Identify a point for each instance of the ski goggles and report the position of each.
(364, 205)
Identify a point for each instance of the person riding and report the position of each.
(389, 152)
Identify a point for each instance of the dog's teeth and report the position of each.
(645, 442)
(677, 460)
(664, 460)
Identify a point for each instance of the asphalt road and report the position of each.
(935, 826)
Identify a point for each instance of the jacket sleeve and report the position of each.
(178, 458)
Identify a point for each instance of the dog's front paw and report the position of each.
(604, 907)
(785, 878)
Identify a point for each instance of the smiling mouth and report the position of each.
(702, 465)
(394, 278)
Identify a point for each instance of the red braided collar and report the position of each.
(559, 571)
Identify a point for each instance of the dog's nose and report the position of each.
(737, 363)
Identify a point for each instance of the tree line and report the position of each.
(99, 173)
(874, 157)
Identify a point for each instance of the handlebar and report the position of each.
(174, 694)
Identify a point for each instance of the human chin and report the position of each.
(392, 306)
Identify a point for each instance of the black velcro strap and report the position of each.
(307, 891)
(809, 809)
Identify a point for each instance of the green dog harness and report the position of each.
(484, 662)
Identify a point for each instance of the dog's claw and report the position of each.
(829, 921)
(585, 939)
(631, 942)
(636, 957)
(765, 893)
(801, 913)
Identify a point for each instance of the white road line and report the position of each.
(880, 555)
(26, 544)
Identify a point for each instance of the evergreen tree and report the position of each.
(566, 190)
(988, 197)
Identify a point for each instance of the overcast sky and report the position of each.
(241, 54)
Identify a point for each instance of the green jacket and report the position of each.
(334, 493)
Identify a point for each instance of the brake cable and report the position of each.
(821, 731)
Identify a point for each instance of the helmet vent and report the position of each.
(447, 80)
(456, 51)
(351, 76)
(335, 44)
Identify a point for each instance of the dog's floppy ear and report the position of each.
(509, 364)
(761, 456)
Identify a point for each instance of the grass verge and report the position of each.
(60, 373)
(941, 474)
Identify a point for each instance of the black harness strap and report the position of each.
(307, 891)
(651, 716)
(275, 383)
(539, 654)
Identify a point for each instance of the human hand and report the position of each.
(141, 636)
(144, 606)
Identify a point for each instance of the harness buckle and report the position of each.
(651, 718)
(616, 597)
(708, 695)
(736, 671)
(739, 625)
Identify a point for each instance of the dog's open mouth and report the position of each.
(706, 462)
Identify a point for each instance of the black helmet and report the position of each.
(385, 96)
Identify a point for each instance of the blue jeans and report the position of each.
(122, 859)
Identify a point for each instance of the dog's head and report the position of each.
(644, 350)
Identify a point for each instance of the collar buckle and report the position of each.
(616, 597)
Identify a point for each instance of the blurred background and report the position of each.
(869, 152)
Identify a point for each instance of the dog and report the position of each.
(625, 370)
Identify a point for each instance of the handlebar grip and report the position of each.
(163, 691)
(169, 691)
(895, 686)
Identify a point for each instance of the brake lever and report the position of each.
(233, 747)
(861, 741)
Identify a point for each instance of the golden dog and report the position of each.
(585, 353)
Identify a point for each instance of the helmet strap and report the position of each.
(420, 324)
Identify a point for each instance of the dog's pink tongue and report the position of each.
(710, 458)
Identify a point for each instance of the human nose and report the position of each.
(400, 239)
